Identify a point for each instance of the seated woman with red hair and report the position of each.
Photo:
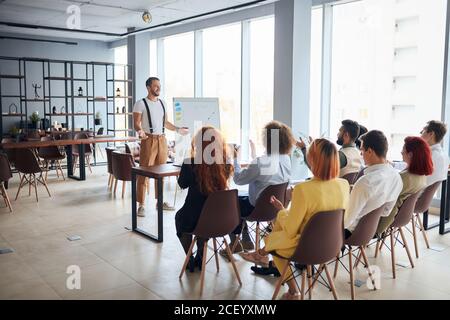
(417, 155)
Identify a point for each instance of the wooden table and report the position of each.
(444, 216)
(68, 144)
(157, 172)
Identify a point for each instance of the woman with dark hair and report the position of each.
(324, 192)
(207, 171)
(417, 155)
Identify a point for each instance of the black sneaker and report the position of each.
(266, 271)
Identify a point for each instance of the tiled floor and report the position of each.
(116, 263)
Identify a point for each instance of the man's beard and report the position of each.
(156, 94)
(340, 141)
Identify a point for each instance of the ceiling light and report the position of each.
(147, 17)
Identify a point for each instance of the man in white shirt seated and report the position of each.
(433, 133)
(381, 183)
(349, 155)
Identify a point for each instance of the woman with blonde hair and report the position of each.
(208, 170)
(324, 192)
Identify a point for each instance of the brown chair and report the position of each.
(361, 236)
(5, 175)
(319, 243)
(134, 149)
(109, 152)
(264, 212)
(28, 164)
(121, 168)
(219, 217)
(87, 151)
(403, 217)
(422, 205)
(49, 154)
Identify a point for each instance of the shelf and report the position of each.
(57, 78)
(120, 130)
(13, 115)
(66, 79)
(10, 76)
(35, 100)
(120, 113)
(121, 97)
(119, 80)
(82, 97)
(68, 114)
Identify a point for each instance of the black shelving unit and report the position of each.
(121, 79)
(93, 76)
(17, 99)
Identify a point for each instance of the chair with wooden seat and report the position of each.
(5, 175)
(360, 237)
(264, 212)
(422, 205)
(319, 244)
(122, 163)
(28, 164)
(403, 218)
(76, 151)
(51, 154)
(219, 217)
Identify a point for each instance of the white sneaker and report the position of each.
(166, 206)
(141, 211)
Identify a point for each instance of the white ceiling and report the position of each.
(112, 16)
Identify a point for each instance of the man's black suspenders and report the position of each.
(150, 118)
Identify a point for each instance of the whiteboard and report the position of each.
(196, 112)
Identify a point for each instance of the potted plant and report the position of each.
(15, 132)
(34, 118)
(98, 118)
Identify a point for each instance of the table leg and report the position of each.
(69, 161)
(160, 209)
(135, 228)
(133, 202)
(82, 163)
(444, 207)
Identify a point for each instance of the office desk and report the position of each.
(157, 172)
(69, 143)
(444, 209)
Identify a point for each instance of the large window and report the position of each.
(315, 73)
(222, 75)
(178, 69)
(261, 77)
(387, 66)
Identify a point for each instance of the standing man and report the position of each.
(150, 120)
